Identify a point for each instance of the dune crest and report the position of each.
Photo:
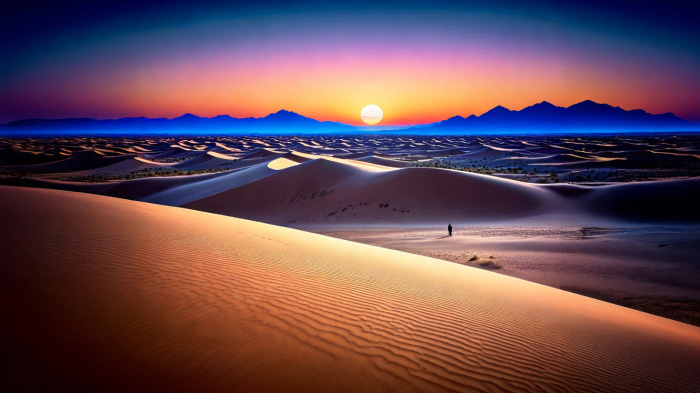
(141, 297)
(324, 191)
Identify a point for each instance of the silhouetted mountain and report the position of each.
(281, 122)
(496, 113)
(586, 116)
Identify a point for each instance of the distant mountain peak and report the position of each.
(497, 111)
(500, 108)
(286, 113)
(187, 116)
(283, 113)
(542, 107)
(544, 103)
(588, 103)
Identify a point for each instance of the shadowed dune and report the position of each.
(10, 156)
(83, 160)
(125, 166)
(207, 160)
(137, 189)
(444, 152)
(114, 295)
(175, 152)
(263, 152)
(199, 189)
(329, 191)
(489, 152)
(355, 156)
(675, 200)
(384, 161)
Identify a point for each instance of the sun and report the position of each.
(372, 114)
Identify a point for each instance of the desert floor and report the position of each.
(652, 269)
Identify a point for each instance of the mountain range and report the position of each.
(281, 122)
(586, 116)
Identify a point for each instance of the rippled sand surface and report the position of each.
(104, 294)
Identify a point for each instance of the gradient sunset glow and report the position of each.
(420, 64)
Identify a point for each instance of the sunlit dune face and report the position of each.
(371, 114)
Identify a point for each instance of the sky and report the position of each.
(420, 62)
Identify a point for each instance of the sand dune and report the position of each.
(677, 154)
(113, 295)
(390, 195)
(200, 189)
(357, 155)
(565, 158)
(83, 160)
(384, 161)
(323, 191)
(23, 157)
(174, 151)
(331, 190)
(263, 152)
(298, 188)
(489, 152)
(223, 148)
(364, 165)
(207, 160)
(549, 149)
(125, 166)
(569, 160)
(444, 152)
(298, 157)
(90, 188)
(137, 189)
(673, 200)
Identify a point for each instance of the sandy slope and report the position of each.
(83, 160)
(673, 200)
(189, 192)
(125, 166)
(102, 294)
(176, 151)
(335, 191)
(332, 191)
(207, 160)
(647, 268)
(384, 161)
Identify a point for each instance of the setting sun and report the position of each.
(371, 114)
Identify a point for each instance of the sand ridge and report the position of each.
(113, 295)
(378, 180)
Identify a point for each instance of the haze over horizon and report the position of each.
(374, 126)
(421, 63)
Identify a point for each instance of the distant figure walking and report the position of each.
(449, 229)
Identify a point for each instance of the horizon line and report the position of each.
(282, 110)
